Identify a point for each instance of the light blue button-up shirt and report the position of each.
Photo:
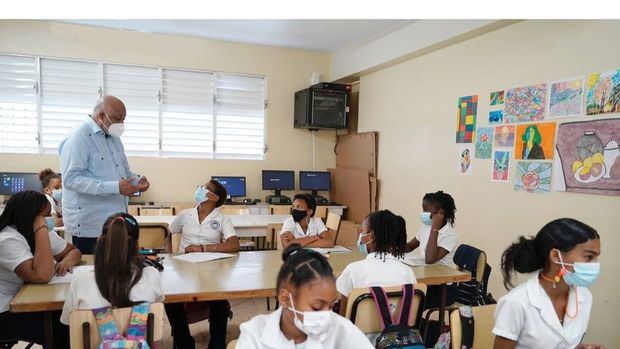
(91, 164)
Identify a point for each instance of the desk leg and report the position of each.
(48, 330)
(442, 307)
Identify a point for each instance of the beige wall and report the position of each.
(413, 107)
(286, 70)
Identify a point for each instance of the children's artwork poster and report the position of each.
(525, 104)
(501, 166)
(565, 98)
(533, 176)
(588, 157)
(465, 161)
(484, 142)
(496, 117)
(497, 97)
(466, 119)
(603, 93)
(504, 136)
(535, 141)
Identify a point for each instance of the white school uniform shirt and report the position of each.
(14, 250)
(375, 271)
(55, 205)
(214, 229)
(263, 332)
(446, 238)
(84, 293)
(315, 227)
(526, 315)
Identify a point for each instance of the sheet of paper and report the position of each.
(199, 257)
(68, 277)
(326, 250)
(414, 259)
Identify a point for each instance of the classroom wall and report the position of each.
(286, 70)
(413, 107)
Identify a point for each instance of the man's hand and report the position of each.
(126, 188)
(143, 184)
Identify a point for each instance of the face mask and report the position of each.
(315, 324)
(584, 275)
(51, 223)
(57, 194)
(115, 129)
(200, 195)
(298, 215)
(425, 217)
(362, 245)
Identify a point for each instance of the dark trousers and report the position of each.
(218, 320)
(85, 245)
(29, 327)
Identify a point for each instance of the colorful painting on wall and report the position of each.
(496, 117)
(504, 136)
(484, 142)
(525, 104)
(497, 97)
(565, 98)
(501, 166)
(535, 141)
(603, 93)
(465, 161)
(533, 176)
(466, 119)
(588, 157)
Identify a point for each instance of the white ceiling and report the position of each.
(311, 34)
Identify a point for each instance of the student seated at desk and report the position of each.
(52, 188)
(552, 309)
(119, 279)
(31, 252)
(437, 240)
(307, 292)
(203, 229)
(302, 227)
(383, 239)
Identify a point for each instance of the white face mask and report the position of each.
(315, 323)
(115, 129)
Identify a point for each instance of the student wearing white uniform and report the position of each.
(302, 227)
(119, 279)
(437, 240)
(552, 309)
(203, 229)
(307, 292)
(383, 239)
(52, 187)
(30, 252)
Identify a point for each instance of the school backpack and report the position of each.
(473, 292)
(136, 332)
(396, 334)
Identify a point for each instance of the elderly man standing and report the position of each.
(96, 177)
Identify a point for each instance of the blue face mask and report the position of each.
(200, 195)
(426, 219)
(584, 275)
(57, 194)
(361, 246)
(51, 223)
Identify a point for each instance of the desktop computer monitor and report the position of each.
(278, 181)
(235, 186)
(314, 180)
(13, 182)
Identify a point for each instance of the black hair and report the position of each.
(220, 191)
(309, 200)
(46, 176)
(21, 210)
(528, 255)
(390, 233)
(302, 266)
(443, 201)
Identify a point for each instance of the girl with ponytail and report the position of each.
(119, 278)
(551, 309)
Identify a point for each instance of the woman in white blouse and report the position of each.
(302, 227)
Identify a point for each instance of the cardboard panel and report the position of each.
(347, 234)
(351, 188)
(358, 151)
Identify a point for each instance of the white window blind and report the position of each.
(240, 116)
(69, 91)
(187, 113)
(138, 88)
(18, 105)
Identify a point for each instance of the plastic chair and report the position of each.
(333, 224)
(153, 236)
(272, 234)
(232, 344)
(456, 330)
(483, 326)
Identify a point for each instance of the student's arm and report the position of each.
(40, 269)
(343, 305)
(230, 246)
(324, 240)
(67, 259)
(412, 245)
(504, 343)
(434, 252)
(590, 346)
